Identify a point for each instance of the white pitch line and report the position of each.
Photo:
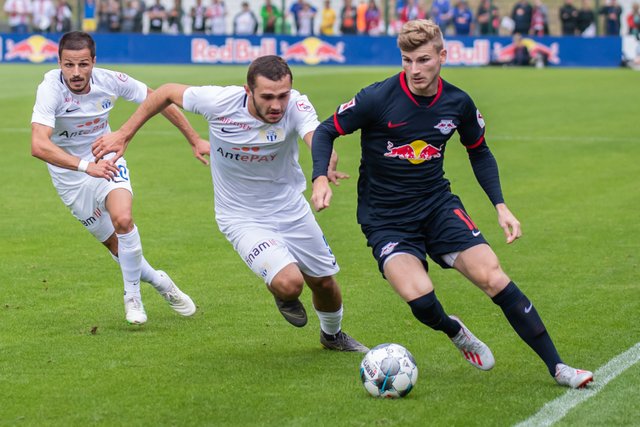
(555, 410)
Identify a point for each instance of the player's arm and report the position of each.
(333, 174)
(485, 168)
(44, 149)
(199, 146)
(156, 102)
(321, 152)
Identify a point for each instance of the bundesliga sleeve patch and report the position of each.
(480, 118)
(303, 105)
(346, 106)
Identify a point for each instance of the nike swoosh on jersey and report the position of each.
(476, 233)
(395, 125)
(528, 309)
(225, 130)
(69, 110)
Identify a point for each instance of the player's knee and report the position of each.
(123, 223)
(323, 284)
(288, 286)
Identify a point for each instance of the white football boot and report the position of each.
(177, 299)
(134, 311)
(474, 351)
(571, 377)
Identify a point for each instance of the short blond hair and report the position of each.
(420, 32)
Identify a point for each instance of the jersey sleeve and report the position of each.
(129, 88)
(471, 129)
(306, 118)
(200, 100)
(47, 102)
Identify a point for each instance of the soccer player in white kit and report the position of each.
(71, 110)
(258, 185)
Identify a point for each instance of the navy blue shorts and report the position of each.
(446, 229)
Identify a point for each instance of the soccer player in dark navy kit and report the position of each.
(405, 205)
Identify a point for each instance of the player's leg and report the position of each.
(160, 280)
(318, 266)
(409, 278)
(118, 203)
(263, 250)
(481, 266)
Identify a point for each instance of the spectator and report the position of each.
(521, 16)
(19, 14)
(198, 18)
(103, 16)
(462, 19)
(128, 18)
(62, 22)
(294, 11)
(410, 11)
(372, 19)
(89, 17)
(329, 18)
(361, 16)
(633, 20)
(441, 14)
(44, 13)
(611, 12)
(174, 18)
(271, 18)
(245, 22)
(539, 19)
(568, 18)
(217, 18)
(586, 20)
(114, 16)
(488, 18)
(521, 55)
(348, 19)
(157, 16)
(306, 16)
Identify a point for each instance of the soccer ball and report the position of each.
(388, 370)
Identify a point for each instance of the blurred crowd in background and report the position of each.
(331, 17)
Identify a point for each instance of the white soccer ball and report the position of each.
(388, 370)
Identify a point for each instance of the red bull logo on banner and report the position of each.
(416, 152)
(459, 54)
(234, 51)
(312, 51)
(33, 49)
(505, 54)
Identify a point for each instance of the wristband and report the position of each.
(83, 165)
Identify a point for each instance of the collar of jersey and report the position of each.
(405, 88)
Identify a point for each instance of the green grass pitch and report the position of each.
(568, 145)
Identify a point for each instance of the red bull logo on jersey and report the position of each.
(312, 51)
(416, 152)
(505, 54)
(34, 49)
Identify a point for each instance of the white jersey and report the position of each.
(254, 165)
(78, 120)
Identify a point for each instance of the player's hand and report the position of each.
(509, 223)
(106, 169)
(113, 142)
(200, 149)
(334, 175)
(321, 195)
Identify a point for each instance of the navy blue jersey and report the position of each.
(403, 139)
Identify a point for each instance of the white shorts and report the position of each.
(87, 201)
(268, 247)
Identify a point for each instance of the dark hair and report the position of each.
(272, 67)
(77, 40)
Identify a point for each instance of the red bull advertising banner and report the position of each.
(312, 51)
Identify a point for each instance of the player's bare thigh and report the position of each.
(407, 276)
(119, 205)
(480, 265)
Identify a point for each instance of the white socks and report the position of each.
(130, 258)
(330, 323)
